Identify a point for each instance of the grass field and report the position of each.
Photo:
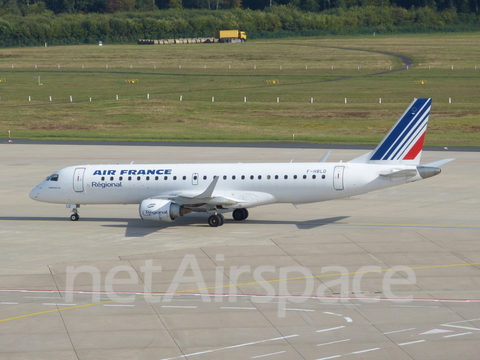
(294, 71)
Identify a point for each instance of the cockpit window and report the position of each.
(53, 177)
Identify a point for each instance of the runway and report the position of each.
(393, 274)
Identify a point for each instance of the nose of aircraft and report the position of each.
(34, 193)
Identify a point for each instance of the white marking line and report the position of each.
(462, 327)
(413, 306)
(467, 333)
(330, 357)
(298, 310)
(330, 313)
(232, 347)
(333, 342)
(397, 331)
(457, 322)
(8, 303)
(411, 342)
(348, 319)
(54, 304)
(335, 328)
(260, 356)
(237, 308)
(118, 305)
(364, 351)
(179, 306)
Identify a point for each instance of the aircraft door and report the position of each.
(78, 179)
(194, 179)
(338, 177)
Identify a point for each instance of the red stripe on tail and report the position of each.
(415, 150)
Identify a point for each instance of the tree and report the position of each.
(175, 4)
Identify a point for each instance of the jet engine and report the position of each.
(161, 210)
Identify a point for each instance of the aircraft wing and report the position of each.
(224, 198)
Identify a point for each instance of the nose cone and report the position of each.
(35, 193)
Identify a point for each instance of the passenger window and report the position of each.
(294, 176)
(276, 177)
(259, 177)
(111, 178)
(314, 176)
(195, 177)
(165, 178)
(156, 177)
(252, 177)
(285, 177)
(147, 178)
(304, 176)
(224, 177)
(268, 177)
(204, 177)
(120, 178)
(138, 178)
(184, 177)
(129, 178)
(323, 176)
(103, 178)
(233, 177)
(174, 178)
(243, 177)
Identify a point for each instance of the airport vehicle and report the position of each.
(228, 36)
(165, 192)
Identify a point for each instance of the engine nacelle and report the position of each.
(161, 210)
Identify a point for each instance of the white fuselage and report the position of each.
(262, 183)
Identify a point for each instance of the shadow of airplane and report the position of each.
(140, 228)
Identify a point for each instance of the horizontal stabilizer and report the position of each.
(399, 174)
(438, 163)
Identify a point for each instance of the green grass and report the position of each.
(306, 72)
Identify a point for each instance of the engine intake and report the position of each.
(161, 210)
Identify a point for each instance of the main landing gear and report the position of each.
(240, 214)
(218, 219)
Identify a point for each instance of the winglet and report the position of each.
(325, 157)
(209, 191)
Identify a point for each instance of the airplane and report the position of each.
(165, 192)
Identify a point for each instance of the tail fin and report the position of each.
(404, 143)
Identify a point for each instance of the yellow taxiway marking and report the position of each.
(235, 285)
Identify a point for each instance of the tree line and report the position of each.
(37, 28)
(23, 7)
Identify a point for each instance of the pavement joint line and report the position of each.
(233, 347)
(202, 293)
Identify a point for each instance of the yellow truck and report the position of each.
(229, 36)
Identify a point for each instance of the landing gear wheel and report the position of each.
(240, 214)
(222, 219)
(215, 220)
(74, 217)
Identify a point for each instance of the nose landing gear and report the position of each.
(74, 207)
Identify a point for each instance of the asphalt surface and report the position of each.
(393, 274)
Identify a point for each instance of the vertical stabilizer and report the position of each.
(404, 143)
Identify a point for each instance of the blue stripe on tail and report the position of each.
(406, 132)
